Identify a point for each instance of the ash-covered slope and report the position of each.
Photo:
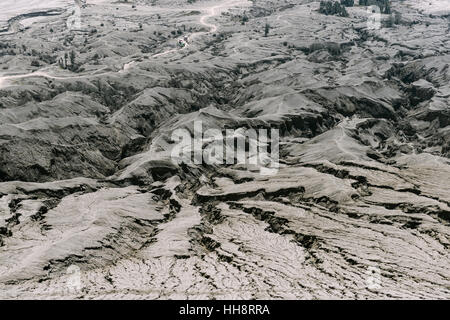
(360, 204)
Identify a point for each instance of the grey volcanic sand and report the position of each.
(87, 181)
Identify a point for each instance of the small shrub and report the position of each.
(348, 3)
(266, 30)
(35, 63)
(332, 8)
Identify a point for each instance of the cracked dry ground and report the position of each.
(364, 170)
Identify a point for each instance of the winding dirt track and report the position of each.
(210, 12)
